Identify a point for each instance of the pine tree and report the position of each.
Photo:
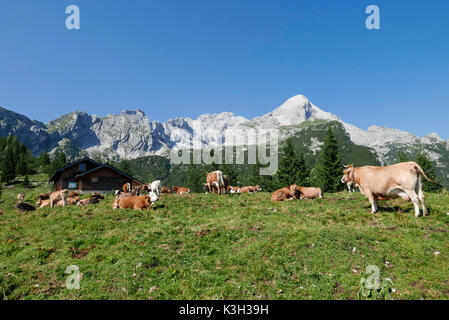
(288, 166)
(402, 157)
(229, 171)
(8, 166)
(58, 162)
(329, 168)
(264, 181)
(302, 172)
(428, 168)
(21, 166)
(196, 177)
(26, 181)
(125, 167)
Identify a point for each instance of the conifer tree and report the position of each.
(288, 166)
(302, 172)
(329, 168)
(8, 165)
(428, 168)
(196, 177)
(402, 157)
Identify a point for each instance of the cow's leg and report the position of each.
(373, 200)
(422, 198)
(349, 188)
(414, 197)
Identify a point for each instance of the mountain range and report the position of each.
(131, 134)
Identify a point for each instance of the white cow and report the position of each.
(155, 187)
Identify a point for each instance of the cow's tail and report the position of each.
(420, 170)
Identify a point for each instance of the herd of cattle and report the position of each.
(402, 180)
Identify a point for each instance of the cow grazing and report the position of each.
(310, 193)
(156, 187)
(287, 193)
(180, 190)
(136, 202)
(215, 181)
(57, 196)
(398, 180)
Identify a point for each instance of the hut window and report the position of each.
(82, 166)
(94, 179)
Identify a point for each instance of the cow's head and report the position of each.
(258, 189)
(174, 189)
(153, 197)
(348, 174)
(294, 190)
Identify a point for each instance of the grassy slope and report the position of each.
(223, 247)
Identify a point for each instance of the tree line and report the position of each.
(17, 160)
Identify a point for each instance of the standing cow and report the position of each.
(155, 187)
(215, 181)
(398, 180)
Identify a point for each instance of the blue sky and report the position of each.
(186, 58)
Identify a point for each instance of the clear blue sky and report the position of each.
(185, 58)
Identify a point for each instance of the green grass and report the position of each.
(223, 247)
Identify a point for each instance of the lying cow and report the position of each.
(180, 190)
(165, 190)
(310, 193)
(44, 196)
(250, 189)
(85, 202)
(234, 190)
(136, 202)
(398, 180)
(287, 193)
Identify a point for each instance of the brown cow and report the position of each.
(85, 202)
(215, 181)
(180, 190)
(136, 202)
(250, 189)
(44, 196)
(127, 187)
(165, 190)
(287, 193)
(234, 190)
(225, 188)
(57, 196)
(310, 193)
(398, 180)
